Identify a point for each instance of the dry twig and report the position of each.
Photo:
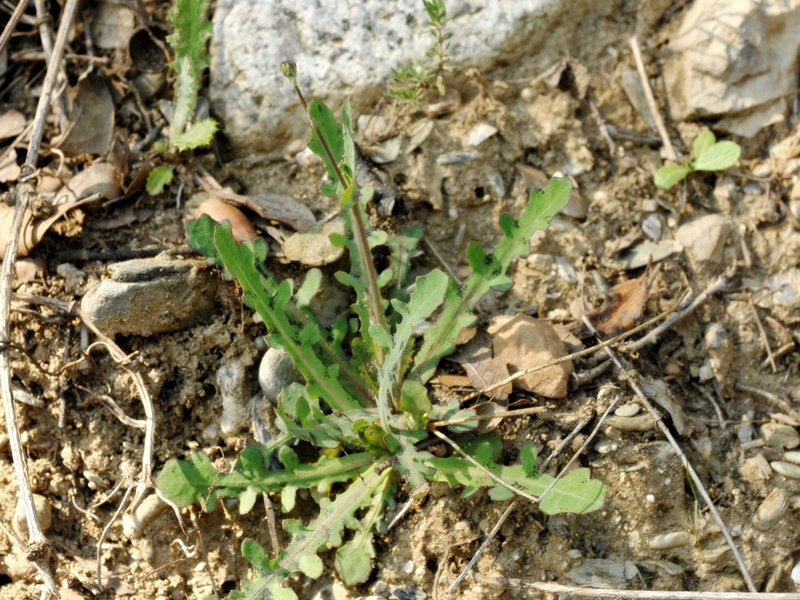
(39, 549)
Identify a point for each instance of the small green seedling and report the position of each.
(364, 405)
(709, 155)
(411, 82)
(192, 31)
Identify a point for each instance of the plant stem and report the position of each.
(367, 264)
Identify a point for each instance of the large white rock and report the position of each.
(735, 59)
(348, 49)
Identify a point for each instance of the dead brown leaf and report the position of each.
(483, 369)
(97, 180)
(91, 119)
(621, 309)
(522, 343)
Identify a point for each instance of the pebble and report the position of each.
(792, 456)
(20, 521)
(786, 288)
(409, 594)
(454, 158)
(150, 296)
(638, 256)
(148, 509)
(313, 248)
(704, 238)
(603, 573)
(234, 390)
(480, 133)
(628, 410)
(673, 539)
(638, 423)
(276, 372)
(796, 573)
(771, 509)
(652, 227)
(790, 470)
(606, 447)
(778, 435)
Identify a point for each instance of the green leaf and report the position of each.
(273, 302)
(330, 129)
(353, 559)
(199, 134)
(668, 175)
(425, 299)
(158, 178)
(718, 157)
(192, 31)
(322, 533)
(703, 142)
(489, 272)
(574, 493)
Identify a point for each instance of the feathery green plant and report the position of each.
(189, 39)
(364, 390)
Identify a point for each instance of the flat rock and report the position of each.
(734, 58)
(149, 296)
(704, 238)
(348, 50)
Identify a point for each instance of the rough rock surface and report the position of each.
(736, 59)
(149, 296)
(348, 50)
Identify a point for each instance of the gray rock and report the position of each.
(149, 296)
(704, 238)
(347, 50)
(603, 573)
(734, 58)
(277, 371)
(778, 435)
(234, 389)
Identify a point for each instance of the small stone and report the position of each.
(234, 389)
(673, 539)
(638, 423)
(454, 158)
(149, 296)
(606, 447)
(480, 133)
(602, 573)
(778, 435)
(790, 470)
(792, 456)
(149, 508)
(628, 410)
(652, 227)
(313, 248)
(43, 512)
(704, 238)
(771, 509)
(408, 567)
(276, 372)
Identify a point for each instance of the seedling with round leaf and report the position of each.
(708, 155)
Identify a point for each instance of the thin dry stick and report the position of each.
(651, 102)
(19, 10)
(769, 397)
(44, 16)
(684, 460)
(555, 588)
(40, 550)
(719, 284)
(763, 335)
